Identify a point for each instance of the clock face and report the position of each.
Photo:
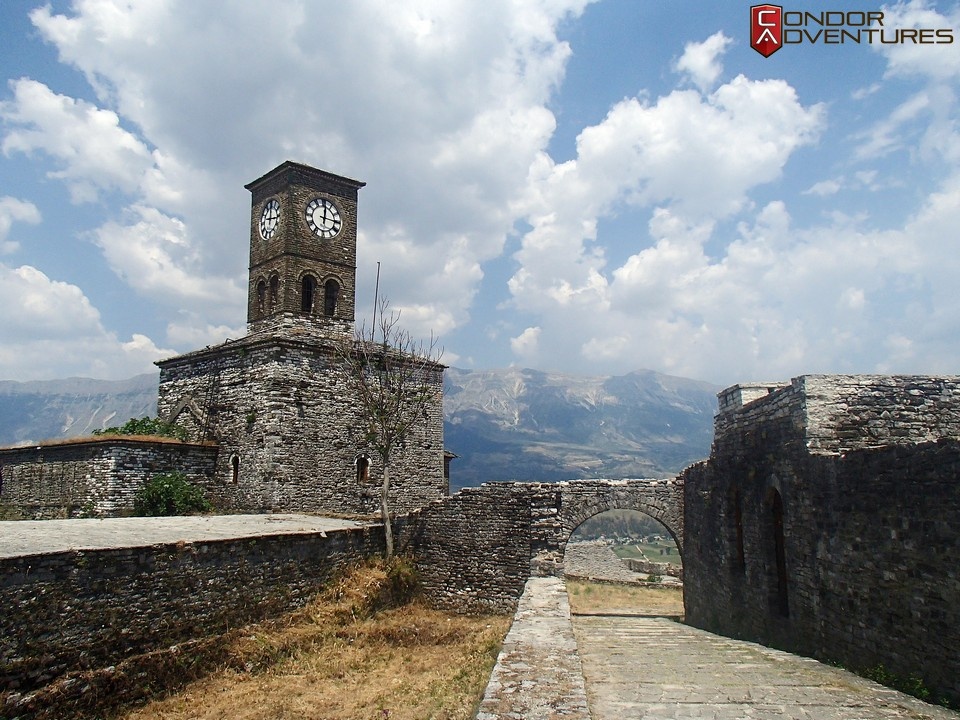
(323, 218)
(269, 219)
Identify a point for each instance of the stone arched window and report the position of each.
(362, 462)
(235, 469)
(261, 296)
(735, 502)
(779, 600)
(331, 294)
(274, 292)
(308, 290)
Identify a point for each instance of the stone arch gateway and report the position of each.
(572, 502)
(476, 549)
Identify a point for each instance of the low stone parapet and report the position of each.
(538, 675)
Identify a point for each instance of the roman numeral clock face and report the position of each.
(323, 218)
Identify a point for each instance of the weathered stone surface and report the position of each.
(95, 477)
(646, 668)
(538, 674)
(824, 522)
(80, 609)
(286, 422)
(477, 548)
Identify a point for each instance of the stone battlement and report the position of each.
(834, 414)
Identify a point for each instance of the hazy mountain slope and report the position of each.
(526, 424)
(42, 410)
(504, 424)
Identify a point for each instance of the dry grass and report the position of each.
(342, 658)
(588, 597)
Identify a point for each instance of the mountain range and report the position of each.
(509, 424)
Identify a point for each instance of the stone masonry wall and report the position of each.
(283, 415)
(477, 548)
(95, 477)
(869, 569)
(849, 412)
(90, 609)
(472, 548)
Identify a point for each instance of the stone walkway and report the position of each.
(31, 537)
(654, 668)
(637, 667)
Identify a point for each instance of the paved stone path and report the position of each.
(654, 668)
(642, 667)
(30, 537)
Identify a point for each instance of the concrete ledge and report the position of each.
(538, 673)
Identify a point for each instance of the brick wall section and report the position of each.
(89, 609)
(280, 404)
(94, 477)
(870, 548)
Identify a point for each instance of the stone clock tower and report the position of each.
(303, 249)
(277, 404)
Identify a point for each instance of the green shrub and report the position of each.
(403, 580)
(911, 685)
(146, 426)
(169, 494)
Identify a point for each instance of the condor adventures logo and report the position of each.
(766, 29)
(772, 27)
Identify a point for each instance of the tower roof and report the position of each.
(291, 172)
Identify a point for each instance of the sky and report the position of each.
(582, 187)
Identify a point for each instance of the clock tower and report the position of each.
(303, 249)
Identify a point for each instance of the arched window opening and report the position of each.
(261, 296)
(362, 463)
(308, 290)
(331, 293)
(736, 509)
(274, 292)
(779, 600)
(235, 469)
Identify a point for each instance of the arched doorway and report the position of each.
(623, 561)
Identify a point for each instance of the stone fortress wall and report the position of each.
(824, 522)
(91, 609)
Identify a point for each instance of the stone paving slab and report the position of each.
(538, 674)
(654, 669)
(33, 537)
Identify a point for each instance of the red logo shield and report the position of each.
(766, 28)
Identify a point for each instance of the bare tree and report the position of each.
(395, 380)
